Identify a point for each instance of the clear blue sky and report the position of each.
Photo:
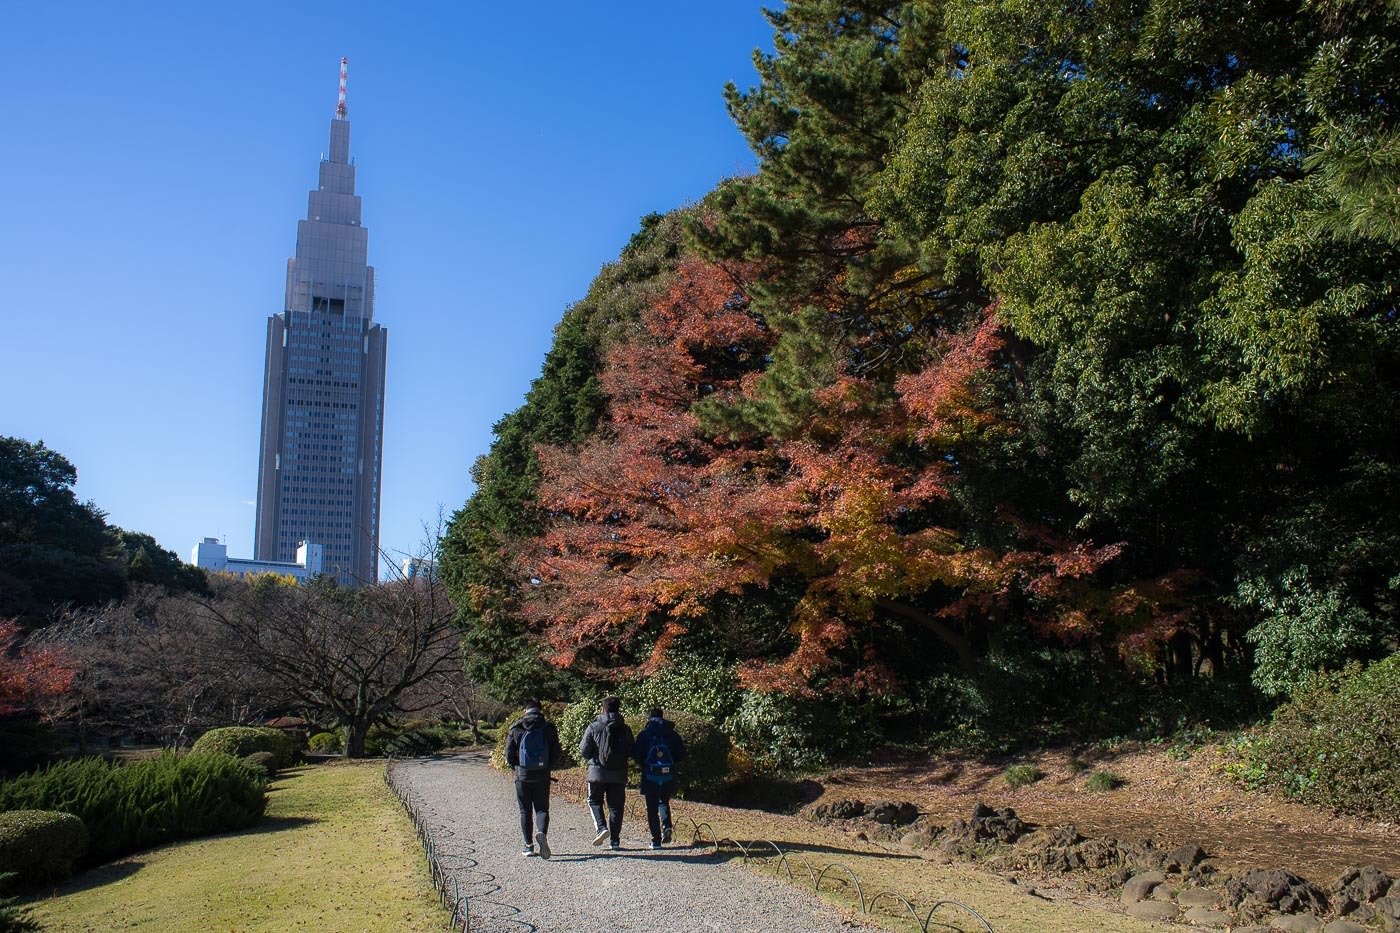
(156, 158)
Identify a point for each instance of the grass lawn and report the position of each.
(335, 852)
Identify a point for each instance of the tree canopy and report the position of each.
(1049, 341)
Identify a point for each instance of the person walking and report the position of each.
(658, 750)
(533, 750)
(606, 744)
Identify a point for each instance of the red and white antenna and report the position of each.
(340, 107)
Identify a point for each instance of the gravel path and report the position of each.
(472, 813)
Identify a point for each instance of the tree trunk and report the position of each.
(949, 636)
(356, 732)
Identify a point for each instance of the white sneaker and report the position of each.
(615, 846)
(602, 835)
(543, 845)
(528, 853)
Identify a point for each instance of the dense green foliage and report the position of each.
(1042, 383)
(1336, 742)
(706, 766)
(145, 803)
(55, 550)
(263, 764)
(242, 741)
(326, 743)
(40, 846)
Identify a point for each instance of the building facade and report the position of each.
(212, 555)
(323, 391)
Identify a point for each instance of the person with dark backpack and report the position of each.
(533, 750)
(658, 750)
(606, 745)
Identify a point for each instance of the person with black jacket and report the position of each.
(533, 750)
(606, 744)
(658, 750)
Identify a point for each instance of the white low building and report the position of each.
(212, 555)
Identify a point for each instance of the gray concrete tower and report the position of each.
(323, 392)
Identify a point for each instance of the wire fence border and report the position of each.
(454, 901)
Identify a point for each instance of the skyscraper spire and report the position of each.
(340, 107)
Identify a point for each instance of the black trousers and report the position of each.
(533, 796)
(613, 792)
(658, 798)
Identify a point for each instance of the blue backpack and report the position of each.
(534, 752)
(659, 766)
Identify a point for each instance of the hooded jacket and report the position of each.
(588, 749)
(533, 720)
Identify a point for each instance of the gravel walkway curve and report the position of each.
(471, 812)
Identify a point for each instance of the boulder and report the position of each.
(890, 812)
(1153, 910)
(920, 839)
(1183, 858)
(1343, 926)
(1198, 897)
(1138, 887)
(1296, 923)
(1205, 917)
(1358, 886)
(839, 810)
(1262, 891)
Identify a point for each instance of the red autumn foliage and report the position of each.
(28, 676)
(654, 516)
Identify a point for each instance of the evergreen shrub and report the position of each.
(242, 741)
(326, 743)
(415, 737)
(572, 723)
(1336, 742)
(263, 764)
(40, 846)
(706, 766)
(145, 803)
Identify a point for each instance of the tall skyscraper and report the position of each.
(323, 392)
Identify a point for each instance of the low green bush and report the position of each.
(145, 803)
(1021, 775)
(326, 743)
(1336, 742)
(572, 723)
(40, 846)
(263, 764)
(1101, 781)
(242, 741)
(415, 737)
(706, 766)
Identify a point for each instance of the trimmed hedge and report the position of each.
(242, 741)
(263, 764)
(706, 766)
(1336, 742)
(131, 807)
(327, 743)
(40, 846)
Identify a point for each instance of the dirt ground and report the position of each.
(1173, 796)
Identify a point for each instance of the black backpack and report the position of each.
(613, 745)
